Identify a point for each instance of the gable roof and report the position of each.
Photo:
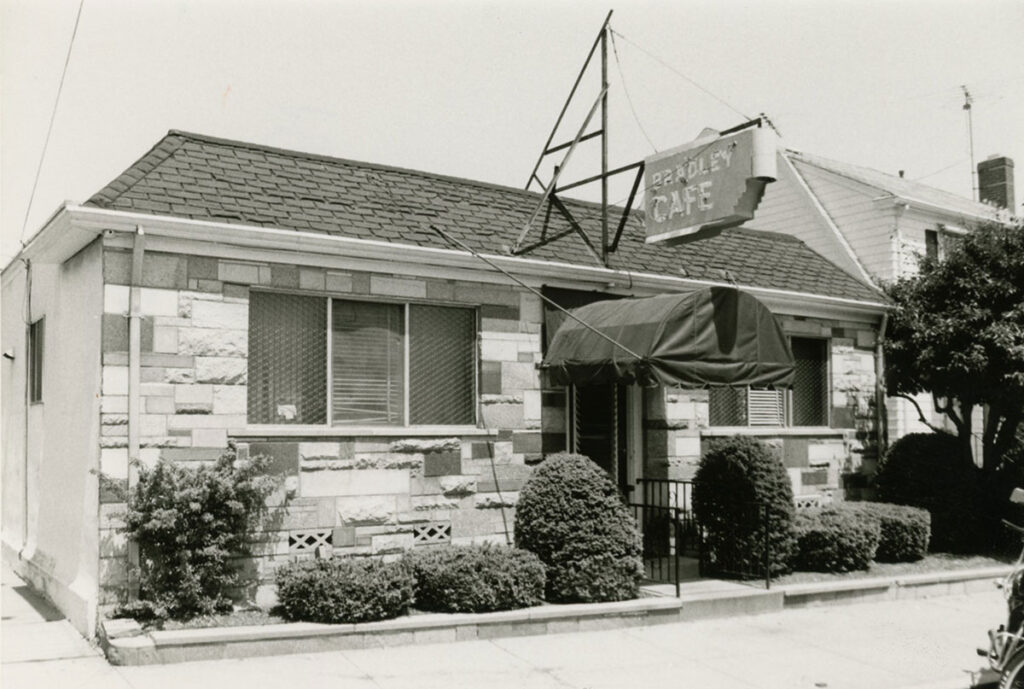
(205, 178)
(942, 201)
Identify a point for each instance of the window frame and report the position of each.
(787, 398)
(34, 347)
(329, 427)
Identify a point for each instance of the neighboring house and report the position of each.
(220, 293)
(877, 226)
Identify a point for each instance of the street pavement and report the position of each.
(911, 644)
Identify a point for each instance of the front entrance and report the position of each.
(606, 427)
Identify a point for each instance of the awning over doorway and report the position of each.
(712, 337)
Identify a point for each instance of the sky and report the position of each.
(473, 88)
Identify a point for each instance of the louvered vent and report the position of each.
(766, 407)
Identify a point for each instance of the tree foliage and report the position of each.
(957, 331)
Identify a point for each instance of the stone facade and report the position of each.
(379, 492)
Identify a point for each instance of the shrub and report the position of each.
(476, 578)
(835, 540)
(188, 522)
(344, 590)
(904, 530)
(570, 514)
(738, 478)
(927, 470)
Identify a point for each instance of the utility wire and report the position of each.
(625, 90)
(680, 74)
(53, 117)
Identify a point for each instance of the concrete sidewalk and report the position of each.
(904, 644)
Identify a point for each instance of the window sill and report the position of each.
(350, 431)
(817, 431)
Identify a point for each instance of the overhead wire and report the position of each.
(625, 90)
(53, 117)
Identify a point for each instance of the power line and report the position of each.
(680, 74)
(53, 117)
(625, 90)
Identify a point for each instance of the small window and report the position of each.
(805, 405)
(931, 245)
(35, 361)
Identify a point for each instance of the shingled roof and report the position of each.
(204, 178)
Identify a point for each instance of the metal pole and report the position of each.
(767, 569)
(604, 144)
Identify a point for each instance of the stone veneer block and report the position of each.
(498, 350)
(442, 463)
(282, 275)
(213, 342)
(115, 299)
(353, 482)
(246, 273)
(229, 399)
(477, 293)
(532, 405)
(367, 510)
(391, 543)
(164, 270)
(159, 302)
(159, 405)
(516, 377)
(343, 537)
(193, 394)
(221, 370)
(202, 267)
(220, 315)
(209, 437)
(456, 486)
(526, 442)
(440, 290)
(687, 446)
(398, 287)
(165, 340)
(114, 462)
(115, 380)
(319, 451)
(502, 415)
(312, 279)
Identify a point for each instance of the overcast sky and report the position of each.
(472, 89)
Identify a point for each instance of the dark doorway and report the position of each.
(599, 423)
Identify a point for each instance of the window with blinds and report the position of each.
(805, 405)
(388, 364)
(35, 361)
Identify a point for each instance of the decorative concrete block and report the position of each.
(220, 315)
(343, 483)
(221, 370)
(366, 510)
(159, 302)
(398, 287)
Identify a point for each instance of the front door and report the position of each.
(603, 430)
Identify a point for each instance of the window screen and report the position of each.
(931, 244)
(287, 359)
(442, 345)
(368, 362)
(35, 361)
(810, 384)
(727, 406)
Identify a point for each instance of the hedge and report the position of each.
(475, 578)
(904, 530)
(835, 540)
(344, 590)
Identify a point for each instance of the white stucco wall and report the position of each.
(58, 551)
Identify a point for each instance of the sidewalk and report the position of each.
(904, 644)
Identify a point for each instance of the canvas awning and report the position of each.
(712, 337)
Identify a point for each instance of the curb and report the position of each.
(126, 643)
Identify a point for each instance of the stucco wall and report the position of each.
(60, 553)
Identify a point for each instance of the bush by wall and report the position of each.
(188, 522)
(835, 540)
(571, 516)
(734, 476)
(344, 590)
(926, 470)
(904, 530)
(476, 578)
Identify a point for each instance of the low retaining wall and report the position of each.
(125, 643)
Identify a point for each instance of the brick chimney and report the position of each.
(995, 181)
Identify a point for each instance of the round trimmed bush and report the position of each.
(927, 470)
(738, 478)
(904, 530)
(344, 590)
(476, 578)
(835, 540)
(571, 516)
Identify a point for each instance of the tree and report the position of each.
(957, 331)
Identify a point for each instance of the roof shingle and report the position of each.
(205, 178)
